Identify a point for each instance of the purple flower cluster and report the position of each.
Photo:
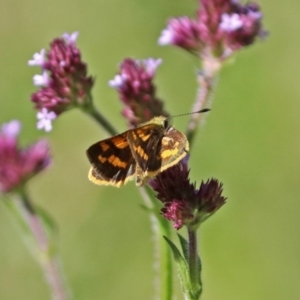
(221, 27)
(18, 165)
(183, 203)
(64, 83)
(134, 84)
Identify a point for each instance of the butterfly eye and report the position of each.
(166, 123)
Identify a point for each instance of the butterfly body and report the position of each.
(139, 153)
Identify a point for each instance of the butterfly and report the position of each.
(139, 153)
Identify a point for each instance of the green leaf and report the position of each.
(183, 270)
(23, 217)
(184, 246)
(11, 205)
(51, 229)
(47, 220)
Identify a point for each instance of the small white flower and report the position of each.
(151, 64)
(11, 128)
(41, 80)
(118, 81)
(166, 36)
(38, 59)
(70, 38)
(45, 119)
(231, 23)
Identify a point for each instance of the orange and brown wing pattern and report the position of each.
(141, 152)
(175, 147)
(145, 143)
(155, 149)
(112, 161)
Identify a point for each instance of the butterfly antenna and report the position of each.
(194, 112)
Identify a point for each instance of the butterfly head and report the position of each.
(164, 122)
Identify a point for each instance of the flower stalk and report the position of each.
(41, 246)
(163, 256)
(194, 263)
(166, 265)
(207, 82)
(95, 114)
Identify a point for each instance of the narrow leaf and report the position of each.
(51, 229)
(184, 246)
(183, 270)
(11, 205)
(47, 220)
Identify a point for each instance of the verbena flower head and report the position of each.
(182, 32)
(220, 28)
(183, 203)
(18, 165)
(64, 82)
(134, 83)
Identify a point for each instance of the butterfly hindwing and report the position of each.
(145, 143)
(174, 147)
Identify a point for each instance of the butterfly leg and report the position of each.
(140, 176)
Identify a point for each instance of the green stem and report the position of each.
(194, 264)
(160, 227)
(28, 217)
(166, 267)
(93, 112)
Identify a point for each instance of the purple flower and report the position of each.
(45, 119)
(41, 80)
(64, 81)
(250, 17)
(183, 203)
(182, 32)
(70, 38)
(118, 81)
(11, 129)
(134, 84)
(150, 65)
(230, 23)
(19, 165)
(38, 59)
(221, 27)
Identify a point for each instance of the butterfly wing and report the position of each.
(112, 161)
(156, 149)
(174, 147)
(145, 143)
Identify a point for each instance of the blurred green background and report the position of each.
(251, 247)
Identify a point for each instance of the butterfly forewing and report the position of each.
(112, 161)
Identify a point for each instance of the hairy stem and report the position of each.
(207, 81)
(93, 112)
(194, 263)
(163, 255)
(41, 246)
(166, 267)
